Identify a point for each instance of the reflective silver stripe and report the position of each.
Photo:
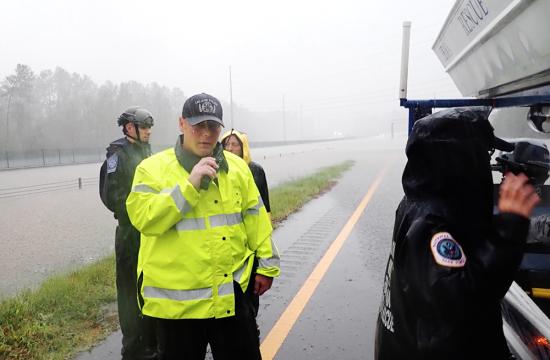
(216, 220)
(225, 289)
(274, 250)
(174, 192)
(255, 210)
(178, 295)
(225, 219)
(239, 272)
(178, 198)
(267, 263)
(144, 188)
(191, 224)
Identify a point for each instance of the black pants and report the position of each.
(230, 338)
(138, 332)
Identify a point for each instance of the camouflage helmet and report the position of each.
(136, 115)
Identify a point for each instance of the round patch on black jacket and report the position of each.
(447, 251)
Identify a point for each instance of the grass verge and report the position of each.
(69, 313)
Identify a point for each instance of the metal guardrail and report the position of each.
(92, 157)
(49, 157)
(75, 184)
(54, 157)
(57, 157)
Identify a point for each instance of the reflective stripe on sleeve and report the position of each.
(178, 295)
(274, 250)
(174, 192)
(178, 198)
(268, 263)
(255, 210)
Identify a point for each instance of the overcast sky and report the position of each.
(337, 57)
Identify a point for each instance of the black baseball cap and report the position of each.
(202, 107)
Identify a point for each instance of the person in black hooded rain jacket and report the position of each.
(451, 260)
(115, 183)
(237, 142)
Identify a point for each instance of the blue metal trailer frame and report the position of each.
(420, 108)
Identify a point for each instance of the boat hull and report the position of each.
(496, 47)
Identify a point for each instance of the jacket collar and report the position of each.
(188, 160)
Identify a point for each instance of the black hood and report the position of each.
(448, 163)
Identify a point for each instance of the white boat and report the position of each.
(496, 47)
(525, 326)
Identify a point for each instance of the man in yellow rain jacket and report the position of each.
(202, 222)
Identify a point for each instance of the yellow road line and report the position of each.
(541, 293)
(282, 327)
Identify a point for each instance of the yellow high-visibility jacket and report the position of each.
(194, 244)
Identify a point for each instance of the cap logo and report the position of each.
(206, 106)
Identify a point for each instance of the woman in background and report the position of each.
(237, 143)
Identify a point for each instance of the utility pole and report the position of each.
(301, 121)
(231, 97)
(284, 120)
(8, 124)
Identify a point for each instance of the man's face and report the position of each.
(144, 132)
(201, 138)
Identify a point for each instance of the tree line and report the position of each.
(56, 109)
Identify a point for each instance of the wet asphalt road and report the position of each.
(336, 323)
(57, 231)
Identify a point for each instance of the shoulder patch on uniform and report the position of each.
(112, 163)
(447, 251)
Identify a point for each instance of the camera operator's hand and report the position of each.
(517, 196)
(205, 167)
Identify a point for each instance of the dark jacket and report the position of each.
(451, 260)
(117, 174)
(261, 182)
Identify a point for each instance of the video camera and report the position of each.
(529, 157)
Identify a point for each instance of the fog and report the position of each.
(299, 69)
